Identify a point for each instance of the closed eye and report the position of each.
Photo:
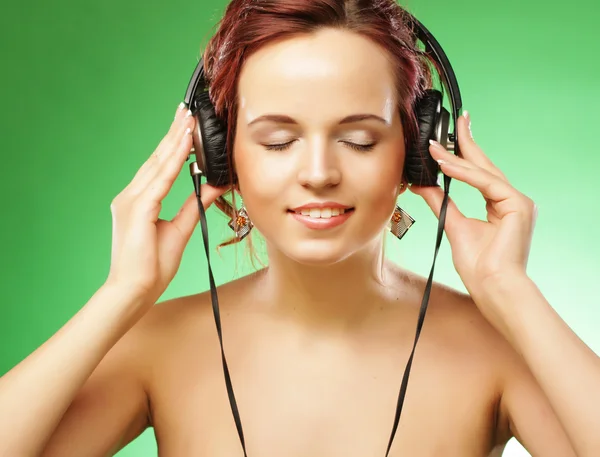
(355, 146)
(278, 147)
(360, 147)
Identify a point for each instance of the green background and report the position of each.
(90, 88)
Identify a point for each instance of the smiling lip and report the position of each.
(322, 223)
(321, 205)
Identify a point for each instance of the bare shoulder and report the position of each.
(452, 313)
(169, 320)
(522, 410)
(182, 327)
(457, 332)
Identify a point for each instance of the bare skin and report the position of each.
(308, 391)
(317, 343)
(303, 391)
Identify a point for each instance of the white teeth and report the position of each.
(322, 213)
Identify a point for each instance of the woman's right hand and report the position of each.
(147, 250)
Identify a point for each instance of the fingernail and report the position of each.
(179, 108)
(467, 116)
(187, 131)
(435, 144)
(188, 114)
(441, 162)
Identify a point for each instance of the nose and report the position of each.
(319, 166)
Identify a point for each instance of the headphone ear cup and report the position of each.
(210, 142)
(420, 168)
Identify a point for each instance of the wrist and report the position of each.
(503, 298)
(125, 302)
(496, 289)
(126, 293)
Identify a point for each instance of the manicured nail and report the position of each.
(435, 144)
(188, 114)
(468, 118)
(187, 131)
(441, 162)
(179, 108)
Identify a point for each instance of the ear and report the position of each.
(236, 194)
(402, 187)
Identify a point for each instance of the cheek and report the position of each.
(380, 185)
(260, 184)
(382, 177)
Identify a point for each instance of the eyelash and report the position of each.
(356, 147)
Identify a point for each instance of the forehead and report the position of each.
(325, 74)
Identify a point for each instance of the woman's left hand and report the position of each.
(482, 252)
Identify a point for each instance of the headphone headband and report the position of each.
(197, 78)
(448, 77)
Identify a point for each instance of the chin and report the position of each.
(320, 253)
(321, 248)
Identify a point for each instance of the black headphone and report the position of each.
(210, 148)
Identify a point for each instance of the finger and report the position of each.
(188, 216)
(434, 197)
(171, 152)
(179, 121)
(492, 214)
(439, 152)
(491, 186)
(169, 168)
(167, 144)
(470, 150)
(181, 115)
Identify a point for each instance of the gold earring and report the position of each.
(400, 222)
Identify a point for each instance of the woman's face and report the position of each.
(319, 125)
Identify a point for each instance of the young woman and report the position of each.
(317, 341)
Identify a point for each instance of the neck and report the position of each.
(337, 296)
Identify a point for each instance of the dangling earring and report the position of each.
(400, 221)
(240, 223)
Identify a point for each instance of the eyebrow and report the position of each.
(283, 119)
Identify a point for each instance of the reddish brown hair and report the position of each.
(247, 25)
